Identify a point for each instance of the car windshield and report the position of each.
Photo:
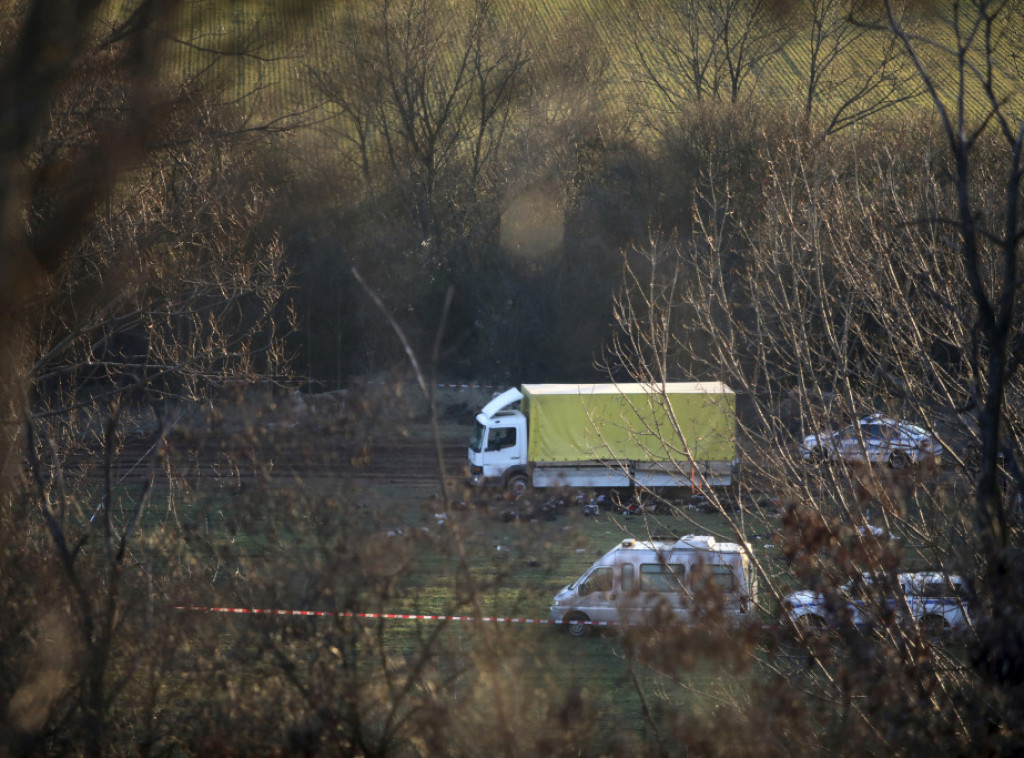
(867, 585)
(935, 585)
(476, 442)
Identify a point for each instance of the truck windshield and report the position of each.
(476, 442)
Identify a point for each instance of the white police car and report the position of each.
(874, 439)
(935, 603)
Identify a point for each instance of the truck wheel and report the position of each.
(517, 486)
(578, 624)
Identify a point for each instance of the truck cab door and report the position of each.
(504, 448)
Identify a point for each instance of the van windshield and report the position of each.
(476, 442)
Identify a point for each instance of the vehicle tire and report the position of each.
(517, 486)
(816, 635)
(933, 627)
(812, 623)
(578, 624)
(898, 460)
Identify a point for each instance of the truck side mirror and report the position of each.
(584, 589)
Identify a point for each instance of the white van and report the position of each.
(628, 582)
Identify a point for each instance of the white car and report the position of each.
(874, 439)
(936, 603)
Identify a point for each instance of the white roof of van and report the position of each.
(688, 542)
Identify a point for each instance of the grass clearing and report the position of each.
(334, 539)
(515, 568)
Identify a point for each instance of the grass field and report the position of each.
(374, 536)
(517, 567)
(253, 555)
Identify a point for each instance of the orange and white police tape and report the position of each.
(399, 616)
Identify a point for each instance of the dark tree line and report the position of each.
(466, 147)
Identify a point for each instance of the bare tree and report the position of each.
(676, 53)
(852, 72)
(882, 277)
(705, 50)
(133, 287)
(425, 90)
(987, 239)
(799, 324)
(750, 34)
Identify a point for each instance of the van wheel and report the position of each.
(578, 624)
(517, 486)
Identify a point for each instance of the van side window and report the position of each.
(715, 575)
(627, 577)
(600, 580)
(661, 577)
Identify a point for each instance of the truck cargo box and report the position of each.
(677, 421)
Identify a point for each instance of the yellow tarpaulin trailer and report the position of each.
(678, 421)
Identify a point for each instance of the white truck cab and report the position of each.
(636, 579)
(499, 444)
